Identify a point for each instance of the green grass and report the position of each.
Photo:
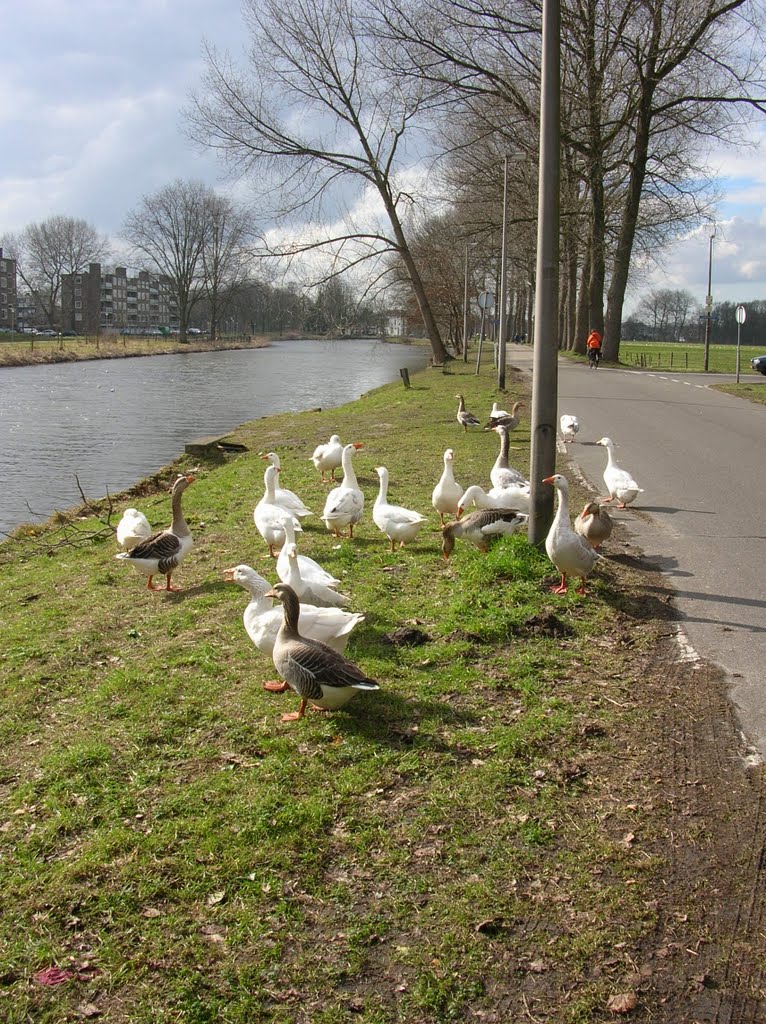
(691, 358)
(751, 392)
(195, 859)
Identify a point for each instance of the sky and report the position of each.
(90, 122)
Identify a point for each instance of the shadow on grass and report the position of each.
(393, 721)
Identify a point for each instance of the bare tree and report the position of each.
(666, 312)
(225, 256)
(170, 229)
(46, 252)
(319, 112)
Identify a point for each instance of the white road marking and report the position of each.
(688, 654)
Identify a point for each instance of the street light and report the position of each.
(503, 325)
(545, 367)
(709, 300)
(503, 285)
(465, 308)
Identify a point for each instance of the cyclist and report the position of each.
(593, 345)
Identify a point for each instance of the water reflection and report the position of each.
(111, 422)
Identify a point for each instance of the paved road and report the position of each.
(699, 455)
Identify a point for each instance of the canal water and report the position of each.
(111, 422)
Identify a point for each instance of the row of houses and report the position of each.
(93, 301)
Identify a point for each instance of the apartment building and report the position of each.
(7, 292)
(95, 301)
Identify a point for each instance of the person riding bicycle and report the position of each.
(593, 345)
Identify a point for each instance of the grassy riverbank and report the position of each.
(492, 837)
(35, 350)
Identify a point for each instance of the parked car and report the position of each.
(194, 330)
(759, 364)
(48, 333)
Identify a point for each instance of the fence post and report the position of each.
(405, 375)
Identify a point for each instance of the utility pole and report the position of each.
(502, 340)
(465, 308)
(545, 365)
(709, 301)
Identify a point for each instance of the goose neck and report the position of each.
(349, 476)
(179, 525)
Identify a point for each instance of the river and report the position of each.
(111, 422)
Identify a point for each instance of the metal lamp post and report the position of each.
(465, 308)
(709, 301)
(503, 286)
(545, 367)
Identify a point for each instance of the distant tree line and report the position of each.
(671, 315)
(200, 242)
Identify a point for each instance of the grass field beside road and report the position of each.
(691, 358)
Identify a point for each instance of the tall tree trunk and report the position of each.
(627, 233)
(439, 353)
(581, 322)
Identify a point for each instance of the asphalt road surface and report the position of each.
(699, 456)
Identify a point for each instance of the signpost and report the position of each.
(741, 315)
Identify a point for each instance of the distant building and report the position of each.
(94, 301)
(397, 326)
(27, 311)
(7, 291)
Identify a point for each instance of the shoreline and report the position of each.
(127, 348)
(43, 353)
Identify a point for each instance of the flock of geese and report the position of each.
(306, 637)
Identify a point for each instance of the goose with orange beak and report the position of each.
(571, 554)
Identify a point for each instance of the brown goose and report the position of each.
(481, 526)
(164, 551)
(315, 671)
(465, 419)
(504, 419)
(594, 524)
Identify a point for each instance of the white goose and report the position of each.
(164, 551)
(328, 457)
(594, 524)
(570, 553)
(480, 527)
(570, 425)
(345, 504)
(515, 497)
(619, 482)
(132, 529)
(309, 569)
(262, 620)
(398, 523)
(288, 499)
(268, 515)
(448, 492)
(502, 473)
(311, 591)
